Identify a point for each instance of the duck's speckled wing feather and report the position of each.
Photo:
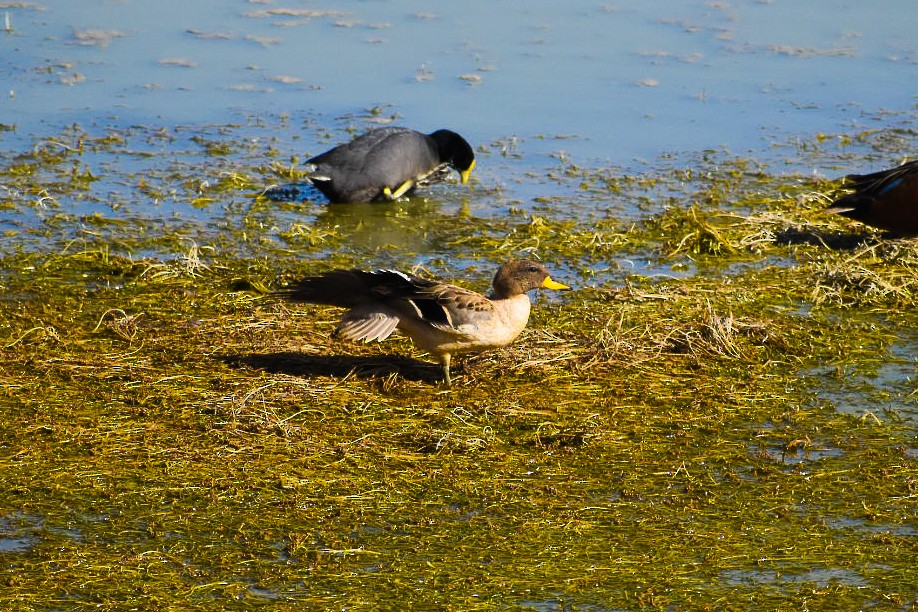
(378, 300)
(439, 304)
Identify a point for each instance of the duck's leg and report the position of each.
(402, 190)
(444, 363)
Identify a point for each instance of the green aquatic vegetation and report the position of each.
(187, 435)
(717, 434)
(213, 148)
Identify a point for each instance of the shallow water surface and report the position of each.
(194, 91)
(619, 81)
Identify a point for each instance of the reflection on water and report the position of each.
(886, 393)
(401, 226)
(822, 577)
(19, 532)
(186, 94)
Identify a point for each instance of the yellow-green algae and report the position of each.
(173, 438)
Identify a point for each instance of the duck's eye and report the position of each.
(533, 269)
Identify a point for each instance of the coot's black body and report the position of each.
(387, 163)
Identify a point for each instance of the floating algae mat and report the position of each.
(722, 415)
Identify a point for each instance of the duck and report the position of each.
(440, 318)
(387, 163)
(887, 199)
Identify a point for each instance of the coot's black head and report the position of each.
(455, 151)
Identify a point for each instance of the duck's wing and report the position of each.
(458, 306)
(366, 295)
(429, 315)
(438, 304)
(368, 324)
(379, 300)
(868, 187)
(344, 288)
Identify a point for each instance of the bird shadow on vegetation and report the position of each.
(338, 366)
(832, 240)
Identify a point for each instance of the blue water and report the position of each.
(600, 82)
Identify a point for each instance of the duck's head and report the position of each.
(521, 275)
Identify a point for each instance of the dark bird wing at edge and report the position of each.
(867, 187)
(431, 300)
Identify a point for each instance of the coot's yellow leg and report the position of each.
(402, 190)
